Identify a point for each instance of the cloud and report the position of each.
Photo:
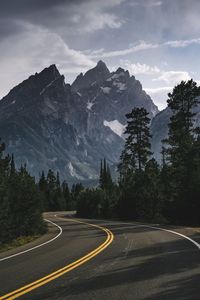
(169, 77)
(63, 16)
(139, 47)
(43, 48)
(139, 69)
(159, 89)
(91, 16)
(142, 45)
(173, 77)
(182, 43)
(159, 95)
(97, 21)
(146, 3)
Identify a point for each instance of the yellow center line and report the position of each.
(44, 280)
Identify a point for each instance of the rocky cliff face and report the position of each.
(50, 124)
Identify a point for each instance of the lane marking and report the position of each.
(44, 280)
(38, 246)
(175, 232)
(159, 228)
(162, 229)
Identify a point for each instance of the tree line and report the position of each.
(147, 191)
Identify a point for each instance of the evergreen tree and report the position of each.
(59, 200)
(181, 143)
(5, 216)
(42, 185)
(182, 101)
(137, 146)
(153, 201)
(66, 195)
(51, 189)
(12, 166)
(132, 165)
(75, 191)
(101, 179)
(105, 178)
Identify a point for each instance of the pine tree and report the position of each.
(137, 146)
(75, 191)
(51, 188)
(5, 216)
(181, 143)
(66, 195)
(42, 184)
(101, 175)
(134, 183)
(105, 179)
(182, 101)
(12, 166)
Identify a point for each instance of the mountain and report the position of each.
(47, 123)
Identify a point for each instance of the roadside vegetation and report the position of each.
(145, 191)
(20, 204)
(23, 200)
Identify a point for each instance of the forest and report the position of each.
(145, 191)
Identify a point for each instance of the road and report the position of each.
(139, 263)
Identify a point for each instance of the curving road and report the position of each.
(140, 263)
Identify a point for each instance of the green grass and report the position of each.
(20, 241)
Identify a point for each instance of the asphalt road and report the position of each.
(140, 263)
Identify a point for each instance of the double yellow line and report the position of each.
(44, 280)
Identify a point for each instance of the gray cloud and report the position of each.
(20, 8)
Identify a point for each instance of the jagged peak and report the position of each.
(95, 75)
(120, 70)
(51, 71)
(101, 64)
(34, 84)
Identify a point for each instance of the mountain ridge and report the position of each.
(48, 123)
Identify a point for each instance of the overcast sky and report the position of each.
(158, 41)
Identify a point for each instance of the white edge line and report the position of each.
(38, 246)
(177, 233)
(159, 228)
(167, 230)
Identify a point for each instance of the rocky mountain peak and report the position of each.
(34, 85)
(101, 65)
(120, 70)
(96, 75)
(48, 74)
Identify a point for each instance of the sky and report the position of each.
(157, 41)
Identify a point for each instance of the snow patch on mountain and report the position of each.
(73, 171)
(116, 76)
(77, 141)
(121, 86)
(46, 87)
(89, 105)
(115, 126)
(53, 159)
(106, 89)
